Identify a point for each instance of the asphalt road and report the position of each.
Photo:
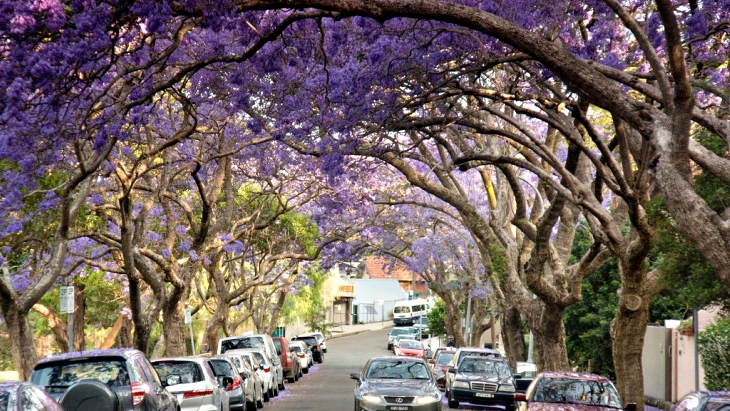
(328, 386)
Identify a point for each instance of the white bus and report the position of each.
(408, 311)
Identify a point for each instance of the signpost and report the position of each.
(382, 311)
(189, 322)
(67, 307)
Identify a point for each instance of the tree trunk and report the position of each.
(113, 333)
(21, 337)
(173, 329)
(548, 332)
(58, 326)
(452, 320)
(79, 317)
(628, 329)
(215, 323)
(513, 337)
(124, 338)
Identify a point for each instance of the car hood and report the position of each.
(548, 406)
(388, 386)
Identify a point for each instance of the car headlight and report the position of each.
(369, 397)
(428, 398)
(507, 388)
(460, 384)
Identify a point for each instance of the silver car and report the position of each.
(396, 383)
(193, 382)
(268, 373)
(252, 386)
(224, 367)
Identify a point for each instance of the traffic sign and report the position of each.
(188, 317)
(67, 300)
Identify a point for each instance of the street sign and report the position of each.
(188, 317)
(67, 300)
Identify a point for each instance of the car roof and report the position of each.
(397, 358)
(484, 358)
(126, 353)
(198, 360)
(570, 375)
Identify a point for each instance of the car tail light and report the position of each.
(236, 384)
(138, 393)
(302, 356)
(198, 393)
(317, 347)
(267, 369)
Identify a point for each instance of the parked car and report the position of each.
(267, 375)
(396, 383)
(193, 382)
(704, 401)
(321, 339)
(396, 331)
(463, 352)
(24, 396)
(224, 367)
(421, 325)
(401, 337)
(482, 380)
(558, 390)
(122, 378)
(252, 387)
(262, 341)
(411, 348)
(303, 353)
(313, 343)
(440, 366)
(289, 361)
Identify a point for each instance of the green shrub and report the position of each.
(715, 356)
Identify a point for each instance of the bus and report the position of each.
(408, 311)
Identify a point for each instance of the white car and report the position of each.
(193, 382)
(301, 349)
(320, 338)
(265, 371)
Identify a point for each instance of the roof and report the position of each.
(380, 268)
(112, 352)
(574, 375)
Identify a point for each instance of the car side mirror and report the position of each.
(246, 374)
(355, 376)
(452, 370)
(172, 379)
(517, 375)
(519, 396)
(630, 406)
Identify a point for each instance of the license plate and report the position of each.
(397, 408)
(484, 395)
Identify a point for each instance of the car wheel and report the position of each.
(251, 406)
(452, 403)
(265, 395)
(390, 347)
(281, 386)
(510, 408)
(305, 370)
(260, 403)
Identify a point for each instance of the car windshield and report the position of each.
(444, 358)
(189, 372)
(402, 310)
(109, 371)
(483, 366)
(243, 342)
(222, 367)
(295, 349)
(409, 370)
(400, 331)
(411, 345)
(720, 404)
(259, 357)
(573, 391)
(310, 341)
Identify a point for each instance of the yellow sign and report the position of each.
(346, 288)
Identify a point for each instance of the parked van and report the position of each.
(408, 311)
(262, 341)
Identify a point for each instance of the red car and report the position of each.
(440, 365)
(559, 390)
(410, 348)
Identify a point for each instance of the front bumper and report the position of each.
(366, 406)
(482, 397)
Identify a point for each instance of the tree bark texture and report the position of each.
(548, 332)
(174, 329)
(513, 337)
(21, 337)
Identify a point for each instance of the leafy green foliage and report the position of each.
(587, 323)
(436, 317)
(309, 305)
(715, 356)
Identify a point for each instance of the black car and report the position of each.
(396, 384)
(313, 343)
(121, 378)
(482, 380)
